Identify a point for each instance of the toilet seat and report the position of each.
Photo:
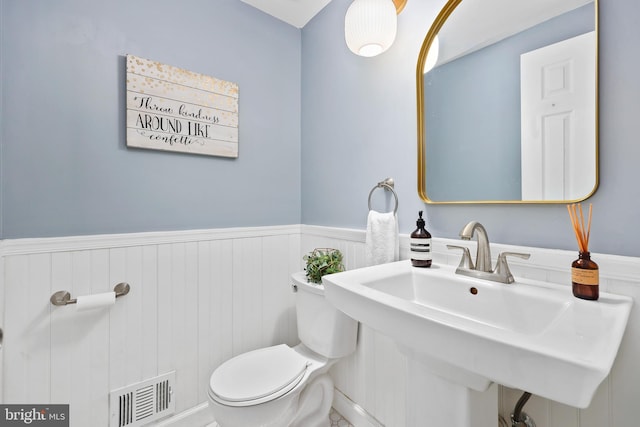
(258, 376)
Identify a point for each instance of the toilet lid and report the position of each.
(271, 371)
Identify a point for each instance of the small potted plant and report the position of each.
(322, 261)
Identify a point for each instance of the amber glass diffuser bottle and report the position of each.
(585, 276)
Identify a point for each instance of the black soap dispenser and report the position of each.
(420, 245)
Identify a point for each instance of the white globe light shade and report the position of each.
(370, 26)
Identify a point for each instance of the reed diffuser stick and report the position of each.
(589, 225)
(582, 233)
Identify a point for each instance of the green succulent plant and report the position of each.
(322, 261)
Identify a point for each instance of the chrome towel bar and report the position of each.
(387, 185)
(64, 297)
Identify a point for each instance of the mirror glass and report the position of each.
(508, 113)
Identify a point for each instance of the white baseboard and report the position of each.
(353, 412)
(201, 416)
(198, 416)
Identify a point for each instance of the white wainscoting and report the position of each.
(196, 299)
(200, 297)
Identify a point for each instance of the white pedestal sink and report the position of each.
(462, 334)
(433, 400)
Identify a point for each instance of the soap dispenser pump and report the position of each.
(421, 245)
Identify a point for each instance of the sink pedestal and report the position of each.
(432, 400)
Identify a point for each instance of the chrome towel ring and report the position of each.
(387, 185)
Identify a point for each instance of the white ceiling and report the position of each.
(464, 32)
(479, 23)
(294, 12)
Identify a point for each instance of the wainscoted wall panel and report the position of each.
(214, 309)
(2, 299)
(196, 299)
(27, 328)
(200, 297)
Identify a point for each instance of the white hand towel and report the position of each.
(382, 243)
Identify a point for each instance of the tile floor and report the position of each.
(338, 420)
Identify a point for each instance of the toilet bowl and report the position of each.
(263, 388)
(283, 386)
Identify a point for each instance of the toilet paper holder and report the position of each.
(64, 297)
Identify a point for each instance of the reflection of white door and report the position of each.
(558, 91)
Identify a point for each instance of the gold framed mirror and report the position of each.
(509, 111)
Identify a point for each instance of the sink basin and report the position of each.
(529, 335)
(521, 309)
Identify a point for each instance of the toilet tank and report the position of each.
(321, 327)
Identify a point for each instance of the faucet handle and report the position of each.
(502, 268)
(465, 262)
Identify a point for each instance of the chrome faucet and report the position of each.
(482, 268)
(483, 253)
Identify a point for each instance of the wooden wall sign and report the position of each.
(169, 108)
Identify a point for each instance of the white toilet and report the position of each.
(281, 386)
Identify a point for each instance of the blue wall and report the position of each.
(65, 166)
(359, 125)
(66, 170)
(481, 90)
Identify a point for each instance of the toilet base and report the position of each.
(310, 414)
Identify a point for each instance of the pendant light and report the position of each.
(370, 25)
